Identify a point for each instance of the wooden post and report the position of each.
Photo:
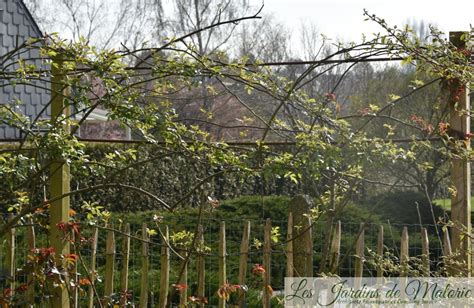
(31, 237)
(380, 251)
(75, 275)
(447, 248)
(165, 269)
(425, 251)
(289, 246)
(452, 268)
(92, 273)
(10, 257)
(201, 265)
(222, 262)
(244, 253)
(335, 251)
(145, 266)
(404, 255)
(267, 251)
(109, 267)
(302, 245)
(459, 104)
(59, 182)
(125, 262)
(359, 257)
(328, 230)
(308, 248)
(183, 294)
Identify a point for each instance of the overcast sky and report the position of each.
(344, 19)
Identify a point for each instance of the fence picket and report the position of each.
(125, 264)
(244, 252)
(289, 247)
(165, 269)
(109, 267)
(145, 266)
(183, 293)
(222, 261)
(380, 251)
(425, 250)
(10, 257)
(308, 248)
(359, 257)
(92, 273)
(404, 255)
(267, 252)
(201, 265)
(447, 251)
(31, 238)
(335, 251)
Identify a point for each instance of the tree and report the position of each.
(329, 158)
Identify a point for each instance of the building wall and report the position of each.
(16, 26)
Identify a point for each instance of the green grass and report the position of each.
(446, 203)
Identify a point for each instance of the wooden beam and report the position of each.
(459, 104)
(59, 182)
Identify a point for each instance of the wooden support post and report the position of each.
(201, 265)
(425, 252)
(59, 182)
(459, 104)
(244, 254)
(267, 251)
(380, 251)
(302, 245)
(404, 255)
(222, 262)
(10, 257)
(125, 263)
(308, 248)
(335, 251)
(31, 238)
(109, 267)
(165, 269)
(92, 272)
(145, 268)
(359, 257)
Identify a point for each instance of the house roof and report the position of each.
(30, 17)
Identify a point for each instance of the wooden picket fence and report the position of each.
(298, 250)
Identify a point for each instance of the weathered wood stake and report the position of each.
(92, 272)
(267, 251)
(289, 246)
(145, 268)
(201, 265)
(125, 263)
(244, 253)
(425, 251)
(359, 257)
(165, 269)
(404, 255)
(109, 267)
(335, 251)
(222, 262)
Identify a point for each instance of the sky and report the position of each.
(343, 19)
